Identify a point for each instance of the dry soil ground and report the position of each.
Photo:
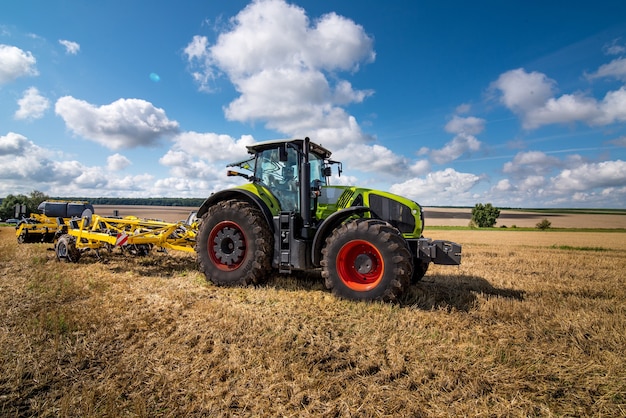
(531, 324)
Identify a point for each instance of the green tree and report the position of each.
(485, 216)
(7, 209)
(35, 198)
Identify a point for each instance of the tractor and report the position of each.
(367, 244)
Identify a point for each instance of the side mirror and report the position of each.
(233, 173)
(327, 168)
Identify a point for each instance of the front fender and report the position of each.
(328, 226)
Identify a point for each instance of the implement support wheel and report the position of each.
(66, 250)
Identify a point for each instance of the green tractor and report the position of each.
(367, 243)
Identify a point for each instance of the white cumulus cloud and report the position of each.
(469, 125)
(564, 109)
(204, 155)
(522, 91)
(15, 63)
(374, 158)
(125, 123)
(21, 159)
(464, 141)
(531, 97)
(25, 165)
(12, 144)
(591, 175)
(286, 70)
(460, 144)
(541, 180)
(420, 167)
(32, 105)
(117, 162)
(448, 187)
(612, 109)
(531, 162)
(503, 185)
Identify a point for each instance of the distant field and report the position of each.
(531, 324)
(527, 218)
(433, 216)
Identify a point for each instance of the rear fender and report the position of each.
(237, 194)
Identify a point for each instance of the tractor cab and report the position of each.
(290, 174)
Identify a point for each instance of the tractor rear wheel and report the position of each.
(66, 250)
(366, 259)
(234, 244)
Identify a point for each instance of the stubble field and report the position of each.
(531, 324)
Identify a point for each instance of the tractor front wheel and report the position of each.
(419, 270)
(366, 259)
(234, 244)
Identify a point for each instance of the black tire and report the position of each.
(366, 259)
(66, 250)
(419, 270)
(234, 244)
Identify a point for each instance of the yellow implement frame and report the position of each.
(130, 233)
(37, 228)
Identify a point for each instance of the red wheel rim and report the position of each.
(360, 265)
(227, 246)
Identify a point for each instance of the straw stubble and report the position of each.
(527, 325)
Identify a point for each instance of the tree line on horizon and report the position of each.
(138, 201)
(32, 201)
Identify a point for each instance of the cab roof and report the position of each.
(275, 143)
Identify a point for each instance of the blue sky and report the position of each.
(518, 103)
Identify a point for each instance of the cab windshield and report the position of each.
(317, 170)
(282, 178)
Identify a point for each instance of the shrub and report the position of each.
(544, 224)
